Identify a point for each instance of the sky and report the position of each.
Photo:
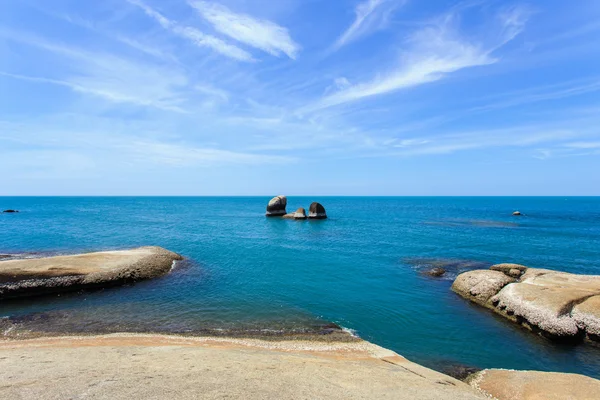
(299, 97)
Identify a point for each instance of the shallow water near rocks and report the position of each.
(359, 269)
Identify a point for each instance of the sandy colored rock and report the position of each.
(534, 385)
(480, 285)
(587, 316)
(509, 269)
(167, 367)
(37, 276)
(545, 300)
(556, 304)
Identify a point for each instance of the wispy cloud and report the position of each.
(433, 52)
(194, 35)
(371, 15)
(261, 34)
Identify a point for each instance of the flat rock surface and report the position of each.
(167, 367)
(534, 385)
(55, 274)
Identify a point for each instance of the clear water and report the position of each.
(360, 268)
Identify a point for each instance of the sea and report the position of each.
(362, 269)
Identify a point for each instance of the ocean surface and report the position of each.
(360, 269)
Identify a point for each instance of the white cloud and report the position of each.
(432, 53)
(371, 15)
(195, 36)
(261, 34)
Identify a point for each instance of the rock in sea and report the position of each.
(276, 207)
(300, 213)
(316, 211)
(557, 305)
(38, 276)
(517, 214)
(10, 211)
(435, 272)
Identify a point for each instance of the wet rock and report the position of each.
(517, 214)
(534, 385)
(10, 211)
(435, 272)
(458, 371)
(316, 211)
(276, 207)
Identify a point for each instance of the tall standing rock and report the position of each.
(276, 207)
(316, 211)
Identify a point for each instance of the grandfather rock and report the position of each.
(316, 211)
(37, 276)
(480, 286)
(534, 385)
(276, 207)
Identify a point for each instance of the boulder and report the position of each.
(300, 213)
(316, 211)
(480, 286)
(555, 304)
(517, 214)
(10, 211)
(435, 272)
(38, 276)
(534, 385)
(512, 270)
(276, 207)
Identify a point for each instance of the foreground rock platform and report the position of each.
(557, 305)
(159, 367)
(38, 276)
(534, 385)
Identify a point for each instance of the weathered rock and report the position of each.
(480, 286)
(435, 272)
(300, 213)
(534, 385)
(316, 211)
(587, 317)
(10, 211)
(517, 214)
(289, 216)
(555, 304)
(30, 277)
(508, 268)
(276, 207)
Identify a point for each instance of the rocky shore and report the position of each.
(38, 276)
(138, 366)
(557, 305)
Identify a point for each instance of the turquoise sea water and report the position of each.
(359, 269)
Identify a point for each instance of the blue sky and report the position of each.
(329, 97)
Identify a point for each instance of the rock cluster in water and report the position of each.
(557, 305)
(277, 208)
